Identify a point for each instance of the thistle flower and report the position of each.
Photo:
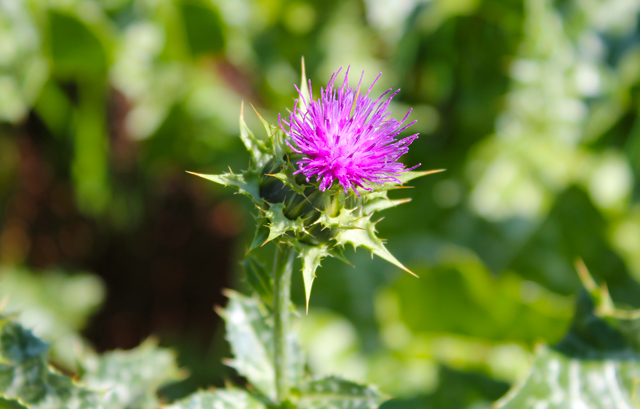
(343, 136)
(347, 136)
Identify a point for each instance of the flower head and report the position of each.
(348, 136)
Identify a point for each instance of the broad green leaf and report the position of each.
(247, 182)
(25, 375)
(229, 398)
(131, 379)
(336, 393)
(250, 333)
(259, 278)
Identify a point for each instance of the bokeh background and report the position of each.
(531, 106)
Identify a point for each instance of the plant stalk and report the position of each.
(283, 262)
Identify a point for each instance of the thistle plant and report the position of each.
(317, 179)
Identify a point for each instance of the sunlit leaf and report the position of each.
(131, 379)
(338, 393)
(250, 332)
(229, 398)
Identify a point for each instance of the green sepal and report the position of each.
(261, 235)
(288, 179)
(379, 201)
(346, 219)
(305, 92)
(256, 147)
(228, 398)
(414, 174)
(337, 393)
(259, 278)
(247, 183)
(364, 235)
(280, 224)
(311, 256)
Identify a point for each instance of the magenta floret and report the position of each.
(348, 136)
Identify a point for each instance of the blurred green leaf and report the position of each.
(558, 382)
(25, 375)
(335, 392)
(596, 365)
(76, 50)
(204, 27)
(456, 390)
(56, 304)
(131, 379)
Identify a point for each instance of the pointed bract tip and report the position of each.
(410, 272)
(256, 111)
(431, 172)
(202, 175)
(585, 277)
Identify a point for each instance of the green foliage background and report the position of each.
(531, 106)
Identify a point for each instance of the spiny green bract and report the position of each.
(316, 223)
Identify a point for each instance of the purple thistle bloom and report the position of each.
(348, 136)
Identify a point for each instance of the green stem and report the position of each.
(281, 300)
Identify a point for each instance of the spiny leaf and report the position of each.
(365, 236)
(230, 398)
(130, 379)
(259, 279)
(337, 393)
(247, 182)
(250, 333)
(596, 365)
